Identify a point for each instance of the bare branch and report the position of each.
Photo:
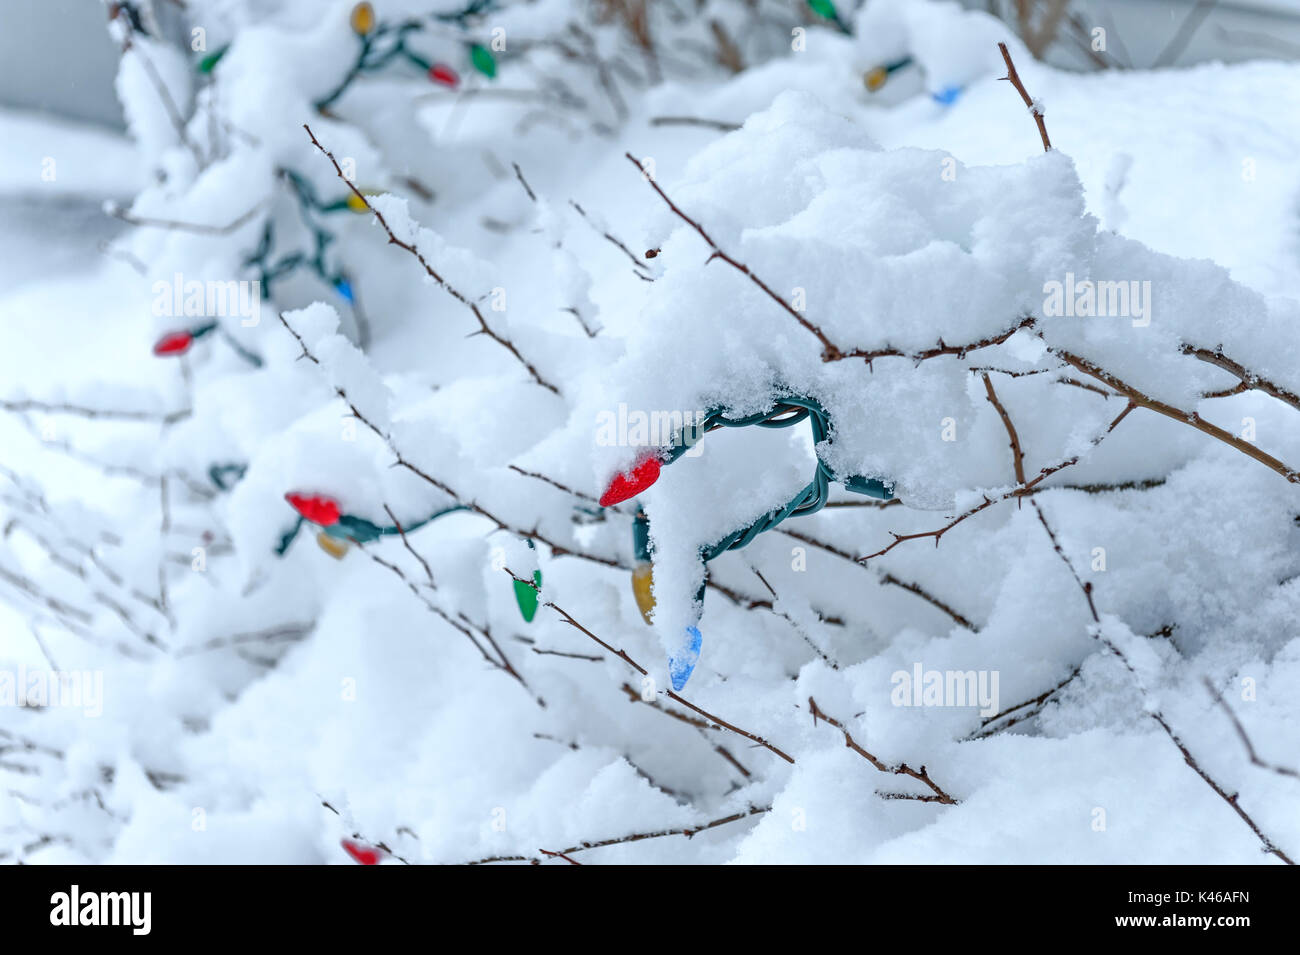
(429, 270)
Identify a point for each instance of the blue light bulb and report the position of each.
(682, 664)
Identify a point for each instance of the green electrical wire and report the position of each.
(789, 410)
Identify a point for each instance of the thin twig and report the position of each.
(1096, 631)
(1018, 491)
(484, 327)
(1137, 397)
(626, 658)
(902, 769)
(1034, 108)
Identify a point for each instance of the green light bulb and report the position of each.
(483, 60)
(526, 596)
(824, 8)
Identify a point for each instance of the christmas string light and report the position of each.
(309, 198)
(178, 342)
(788, 411)
(226, 476)
(444, 75)
(826, 10)
(483, 60)
(340, 530)
(642, 568)
(527, 596)
(876, 77)
(363, 854)
(310, 204)
(362, 19)
(270, 271)
(209, 62)
(380, 44)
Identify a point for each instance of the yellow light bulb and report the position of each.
(874, 79)
(363, 19)
(336, 548)
(643, 579)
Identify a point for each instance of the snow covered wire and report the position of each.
(789, 411)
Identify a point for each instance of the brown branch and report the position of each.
(626, 658)
(885, 578)
(830, 352)
(687, 831)
(699, 725)
(570, 656)
(484, 328)
(1247, 379)
(1034, 108)
(960, 351)
(795, 624)
(1245, 739)
(718, 124)
(1156, 715)
(428, 571)
(1191, 418)
(1017, 454)
(553, 483)
(902, 769)
(291, 632)
(519, 174)
(1231, 800)
(559, 855)
(175, 225)
(461, 624)
(24, 405)
(609, 237)
(1019, 490)
(985, 729)
(878, 505)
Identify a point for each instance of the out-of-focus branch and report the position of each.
(484, 327)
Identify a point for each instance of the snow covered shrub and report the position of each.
(539, 335)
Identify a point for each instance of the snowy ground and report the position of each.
(369, 703)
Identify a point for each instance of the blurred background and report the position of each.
(58, 66)
(56, 56)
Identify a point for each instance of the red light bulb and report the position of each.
(317, 509)
(173, 343)
(633, 482)
(443, 75)
(363, 854)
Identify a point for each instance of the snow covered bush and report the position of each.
(537, 318)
